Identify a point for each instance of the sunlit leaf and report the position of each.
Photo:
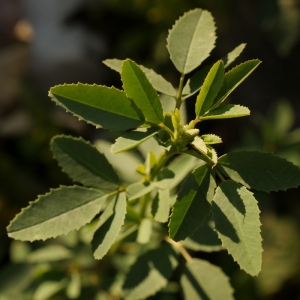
(161, 206)
(144, 231)
(231, 56)
(226, 112)
(139, 189)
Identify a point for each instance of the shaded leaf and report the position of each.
(210, 88)
(139, 189)
(144, 231)
(98, 105)
(150, 273)
(236, 215)
(211, 139)
(192, 204)
(110, 224)
(131, 139)
(164, 179)
(191, 40)
(139, 89)
(161, 206)
(231, 56)
(234, 78)
(226, 112)
(58, 212)
(84, 163)
(260, 170)
(205, 238)
(202, 280)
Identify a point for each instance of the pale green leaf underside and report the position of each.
(98, 105)
(202, 281)
(84, 163)
(231, 56)
(49, 254)
(139, 89)
(150, 273)
(157, 81)
(144, 231)
(260, 170)
(210, 88)
(111, 221)
(236, 215)
(191, 40)
(205, 238)
(234, 78)
(132, 139)
(192, 204)
(211, 139)
(226, 112)
(161, 206)
(139, 189)
(48, 288)
(58, 212)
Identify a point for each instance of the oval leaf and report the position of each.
(236, 217)
(139, 89)
(261, 171)
(58, 212)
(98, 105)
(84, 163)
(202, 280)
(191, 40)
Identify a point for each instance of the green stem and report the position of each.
(178, 98)
(144, 204)
(220, 174)
(202, 156)
(161, 163)
(180, 248)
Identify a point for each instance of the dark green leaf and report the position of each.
(98, 105)
(260, 170)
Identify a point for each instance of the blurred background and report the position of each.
(49, 42)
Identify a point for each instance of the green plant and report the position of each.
(214, 207)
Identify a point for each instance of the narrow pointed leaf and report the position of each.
(202, 281)
(84, 163)
(150, 273)
(48, 288)
(205, 238)
(111, 222)
(191, 40)
(211, 139)
(226, 112)
(58, 212)
(194, 84)
(261, 171)
(139, 189)
(161, 206)
(236, 215)
(74, 286)
(98, 105)
(158, 82)
(210, 88)
(139, 89)
(192, 203)
(234, 78)
(49, 254)
(144, 231)
(231, 56)
(132, 139)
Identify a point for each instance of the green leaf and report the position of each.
(84, 163)
(205, 238)
(74, 286)
(211, 139)
(261, 171)
(181, 166)
(211, 152)
(191, 40)
(49, 253)
(110, 224)
(150, 273)
(125, 163)
(139, 89)
(202, 281)
(56, 213)
(139, 189)
(164, 179)
(231, 56)
(144, 231)
(156, 80)
(233, 79)
(226, 112)
(194, 84)
(236, 215)
(98, 105)
(48, 288)
(199, 145)
(161, 206)
(192, 204)
(210, 88)
(132, 139)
